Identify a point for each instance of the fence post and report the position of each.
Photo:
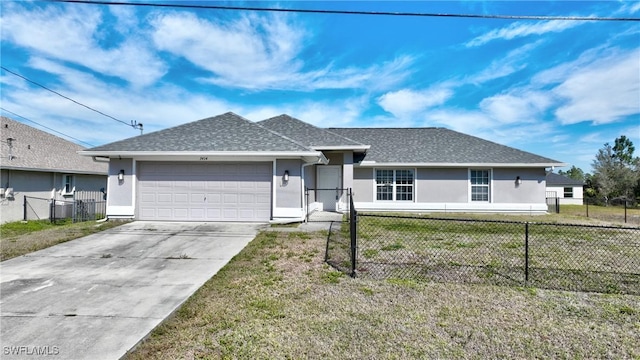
(52, 211)
(557, 205)
(526, 254)
(306, 196)
(24, 210)
(625, 211)
(353, 232)
(587, 201)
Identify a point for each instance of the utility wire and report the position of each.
(48, 128)
(353, 12)
(133, 124)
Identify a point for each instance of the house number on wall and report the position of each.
(203, 158)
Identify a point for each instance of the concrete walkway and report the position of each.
(98, 296)
(319, 220)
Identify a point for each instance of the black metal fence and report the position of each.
(84, 206)
(545, 255)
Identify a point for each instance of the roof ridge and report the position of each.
(277, 133)
(316, 127)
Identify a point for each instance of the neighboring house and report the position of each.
(567, 190)
(44, 167)
(227, 168)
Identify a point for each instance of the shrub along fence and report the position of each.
(545, 255)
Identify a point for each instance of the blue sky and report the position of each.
(560, 89)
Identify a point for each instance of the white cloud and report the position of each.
(516, 106)
(242, 52)
(339, 113)
(509, 64)
(522, 29)
(262, 53)
(603, 91)
(405, 102)
(470, 122)
(71, 33)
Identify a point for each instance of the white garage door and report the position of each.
(204, 191)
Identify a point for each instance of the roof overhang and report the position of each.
(461, 165)
(307, 156)
(57, 171)
(341, 147)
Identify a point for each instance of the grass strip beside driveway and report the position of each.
(18, 238)
(278, 300)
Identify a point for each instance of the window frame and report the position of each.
(394, 185)
(565, 192)
(488, 185)
(68, 184)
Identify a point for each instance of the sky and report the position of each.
(560, 89)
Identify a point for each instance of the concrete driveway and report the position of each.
(98, 296)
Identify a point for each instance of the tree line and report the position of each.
(616, 172)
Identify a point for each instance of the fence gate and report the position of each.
(553, 202)
(326, 200)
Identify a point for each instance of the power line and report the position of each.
(133, 124)
(48, 128)
(355, 12)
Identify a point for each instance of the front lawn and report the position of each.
(20, 238)
(278, 300)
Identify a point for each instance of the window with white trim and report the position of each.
(480, 185)
(67, 184)
(394, 185)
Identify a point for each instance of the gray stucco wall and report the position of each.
(532, 189)
(310, 180)
(35, 184)
(442, 185)
(120, 193)
(29, 183)
(363, 184)
(288, 194)
(451, 185)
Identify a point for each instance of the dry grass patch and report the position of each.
(22, 238)
(278, 300)
(611, 213)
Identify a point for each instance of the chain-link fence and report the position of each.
(341, 242)
(556, 256)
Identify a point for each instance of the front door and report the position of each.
(329, 178)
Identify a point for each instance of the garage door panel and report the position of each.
(199, 191)
(197, 213)
(230, 214)
(230, 199)
(245, 199)
(180, 198)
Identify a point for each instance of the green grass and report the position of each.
(564, 257)
(20, 238)
(313, 311)
(602, 213)
(18, 228)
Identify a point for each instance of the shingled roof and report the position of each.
(561, 180)
(436, 146)
(312, 136)
(35, 150)
(226, 132)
